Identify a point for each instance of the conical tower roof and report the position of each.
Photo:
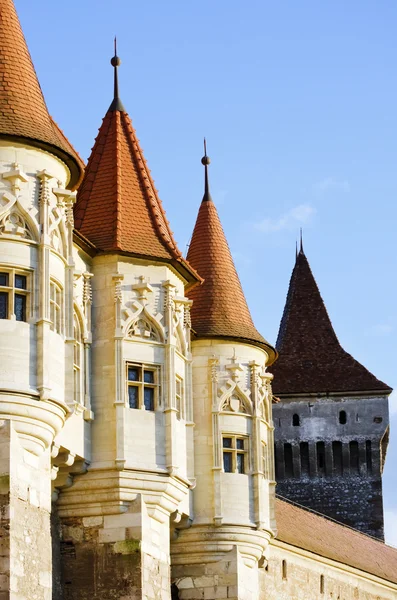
(219, 308)
(23, 112)
(118, 208)
(311, 359)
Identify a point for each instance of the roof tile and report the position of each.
(23, 111)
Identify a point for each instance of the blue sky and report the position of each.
(298, 104)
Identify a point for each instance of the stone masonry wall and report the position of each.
(291, 575)
(115, 557)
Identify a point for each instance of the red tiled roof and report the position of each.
(311, 359)
(23, 111)
(117, 206)
(314, 533)
(219, 308)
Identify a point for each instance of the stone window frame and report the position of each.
(10, 290)
(56, 306)
(237, 451)
(140, 385)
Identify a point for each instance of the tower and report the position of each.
(331, 424)
(232, 521)
(115, 518)
(38, 171)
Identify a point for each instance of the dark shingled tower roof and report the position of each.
(219, 308)
(118, 208)
(24, 115)
(311, 359)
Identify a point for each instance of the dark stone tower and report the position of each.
(332, 422)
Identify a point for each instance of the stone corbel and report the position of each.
(16, 176)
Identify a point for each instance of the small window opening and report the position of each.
(378, 419)
(284, 569)
(174, 592)
(296, 420)
(143, 387)
(288, 461)
(342, 417)
(304, 454)
(368, 456)
(322, 586)
(321, 457)
(337, 458)
(354, 457)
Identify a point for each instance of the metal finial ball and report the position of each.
(205, 160)
(115, 61)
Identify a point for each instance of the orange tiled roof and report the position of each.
(23, 111)
(315, 533)
(118, 208)
(219, 308)
(311, 359)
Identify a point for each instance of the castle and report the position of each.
(136, 429)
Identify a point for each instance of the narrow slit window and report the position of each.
(284, 570)
(368, 456)
(322, 584)
(354, 457)
(321, 458)
(342, 417)
(304, 456)
(288, 461)
(337, 458)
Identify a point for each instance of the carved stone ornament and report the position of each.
(234, 404)
(143, 329)
(15, 224)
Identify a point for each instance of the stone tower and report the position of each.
(38, 171)
(219, 554)
(331, 423)
(115, 519)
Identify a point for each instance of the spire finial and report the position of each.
(301, 242)
(206, 161)
(116, 62)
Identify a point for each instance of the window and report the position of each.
(179, 398)
(354, 457)
(143, 386)
(296, 420)
(77, 361)
(14, 295)
(322, 584)
(368, 456)
(235, 454)
(288, 461)
(337, 458)
(55, 307)
(321, 458)
(342, 417)
(305, 461)
(284, 569)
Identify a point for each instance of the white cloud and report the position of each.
(330, 184)
(393, 407)
(391, 527)
(290, 220)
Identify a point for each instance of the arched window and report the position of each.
(342, 417)
(78, 358)
(296, 420)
